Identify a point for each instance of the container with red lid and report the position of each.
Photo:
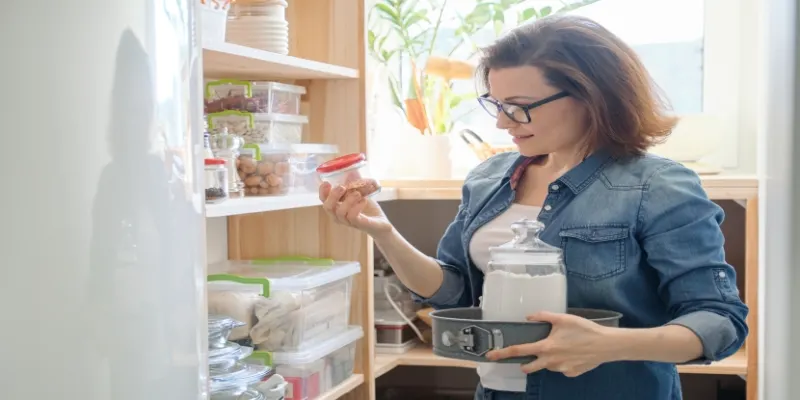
(352, 172)
(216, 180)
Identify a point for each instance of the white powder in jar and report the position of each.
(511, 297)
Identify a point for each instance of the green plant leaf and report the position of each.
(395, 94)
(545, 11)
(528, 13)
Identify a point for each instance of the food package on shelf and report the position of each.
(252, 96)
(300, 299)
(260, 128)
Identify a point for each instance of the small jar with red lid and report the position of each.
(352, 172)
(216, 180)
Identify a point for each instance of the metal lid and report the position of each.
(526, 247)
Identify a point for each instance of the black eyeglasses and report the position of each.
(519, 113)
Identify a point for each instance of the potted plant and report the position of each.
(425, 47)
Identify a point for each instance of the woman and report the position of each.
(639, 234)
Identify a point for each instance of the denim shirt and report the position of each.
(639, 237)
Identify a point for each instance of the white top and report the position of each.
(505, 377)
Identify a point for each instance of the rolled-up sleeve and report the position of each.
(681, 237)
(450, 255)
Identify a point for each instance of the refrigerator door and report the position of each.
(102, 251)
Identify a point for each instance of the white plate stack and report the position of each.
(259, 24)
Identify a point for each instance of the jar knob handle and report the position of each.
(525, 229)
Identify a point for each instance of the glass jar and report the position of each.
(226, 146)
(524, 276)
(352, 172)
(216, 180)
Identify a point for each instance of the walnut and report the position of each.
(366, 187)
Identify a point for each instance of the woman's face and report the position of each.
(555, 127)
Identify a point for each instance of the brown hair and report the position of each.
(626, 112)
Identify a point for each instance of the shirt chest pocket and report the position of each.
(595, 252)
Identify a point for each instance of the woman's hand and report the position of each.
(575, 346)
(354, 210)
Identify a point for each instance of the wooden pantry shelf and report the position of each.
(250, 205)
(226, 60)
(718, 187)
(343, 388)
(423, 356)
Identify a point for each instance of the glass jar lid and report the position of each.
(526, 247)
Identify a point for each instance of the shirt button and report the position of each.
(722, 274)
(554, 187)
(548, 208)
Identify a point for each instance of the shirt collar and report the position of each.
(576, 179)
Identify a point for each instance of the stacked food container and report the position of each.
(296, 313)
(273, 159)
(231, 377)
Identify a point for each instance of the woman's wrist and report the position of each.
(671, 343)
(383, 235)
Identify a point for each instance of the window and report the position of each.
(695, 51)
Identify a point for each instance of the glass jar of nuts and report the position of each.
(352, 172)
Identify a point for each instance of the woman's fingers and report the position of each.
(324, 191)
(331, 201)
(345, 206)
(535, 365)
(354, 213)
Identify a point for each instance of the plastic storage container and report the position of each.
(216, 180)
(279, 98)
(260, 128)
(254, 97)
(304, 160)
(315, 370)
(524, 276)
(265, 170)
(303, 300)
(352, 172)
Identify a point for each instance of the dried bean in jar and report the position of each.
(214, 194)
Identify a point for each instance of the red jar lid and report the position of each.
(215, 161)
(342, 162)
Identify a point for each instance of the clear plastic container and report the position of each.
(524, 276)
(265, 170)
(216, 180)
(352, 172)
(253, 97)
(304, 160)
(219, 330)
(315, 370)
(277, 129)
(303, 299)
(260, 128)
(279, 98)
